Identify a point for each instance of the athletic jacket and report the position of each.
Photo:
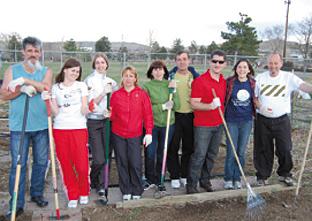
(130, 110)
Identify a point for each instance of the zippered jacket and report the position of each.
(130, 111)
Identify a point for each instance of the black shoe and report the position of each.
(191, 189)
(207, 186)
(18, 212)
(39, 200)
(101, 192)
(161, 188)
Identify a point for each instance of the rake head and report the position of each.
(62, 217)
(255, 205)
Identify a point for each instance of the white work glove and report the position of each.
(215, 103)
(266, 111)
(17, 82)
(107, 113)
(29, 90)
(107, 89)
(45, 95)
(168, 105)
(147, 140)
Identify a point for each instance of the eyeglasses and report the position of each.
(217, 61)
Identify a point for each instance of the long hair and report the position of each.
(70, 63)
(102, 55)
(251, 70)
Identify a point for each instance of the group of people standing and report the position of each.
(82, 108)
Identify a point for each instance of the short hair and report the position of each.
(276, 53)
(70, 63)
(182, 52)
(133, 71)
(218, 53)
(35, 42)
(102, 55)
(157, 64)
(251, 70)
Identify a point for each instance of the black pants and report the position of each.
(129, 164)
(97, 141)
(270, 132)
(183, 131)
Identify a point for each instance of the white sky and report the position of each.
(133, 20)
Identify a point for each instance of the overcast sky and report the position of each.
(133, 20)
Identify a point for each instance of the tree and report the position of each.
(70, 45)
(213, 46)
(155, 47)
(241, 38)
(103, 45)
(274, 35)
(12, 42)
(177, 46)
(303, 30)
(202, 49)
(193, 48)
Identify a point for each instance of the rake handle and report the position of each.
(52, 156)
(163, 168)
(230, 139)
(304, 160)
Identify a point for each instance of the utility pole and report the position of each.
(286, 28)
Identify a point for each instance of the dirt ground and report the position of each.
(279, 206)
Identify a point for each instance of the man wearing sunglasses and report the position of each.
(207, 122)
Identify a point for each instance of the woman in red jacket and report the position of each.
(130, 109)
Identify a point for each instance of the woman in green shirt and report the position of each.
(158, 90)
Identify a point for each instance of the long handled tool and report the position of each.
(304, 160)
(102, 200)
(18, 166)
(255, 202)
(160, 191)
(52, 159)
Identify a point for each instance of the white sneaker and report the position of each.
(237, 185)
(183, 181)
(126, 197)
(83, 200)
(72, 204)
(175, 184)
(136, 197)
(228, 185)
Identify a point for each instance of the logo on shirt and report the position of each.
(273, 90)
(242, 98)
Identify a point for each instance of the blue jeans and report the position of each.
(40, 147)
(206, 143)
(154, 154)
(240, 132)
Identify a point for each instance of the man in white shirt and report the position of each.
(273, 90)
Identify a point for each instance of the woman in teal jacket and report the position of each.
(158, 90)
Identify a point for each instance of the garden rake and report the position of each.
(58, 216)
(255, 203)
(19, 156)
(161, 191)
(103, 201)
(304, 160)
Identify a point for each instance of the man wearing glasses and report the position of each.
(207, 122)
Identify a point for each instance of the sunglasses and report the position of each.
(217, 61)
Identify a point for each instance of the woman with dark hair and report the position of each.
(158, 90)
(69, 106)
(239, 111)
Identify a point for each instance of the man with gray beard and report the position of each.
(28, 78)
